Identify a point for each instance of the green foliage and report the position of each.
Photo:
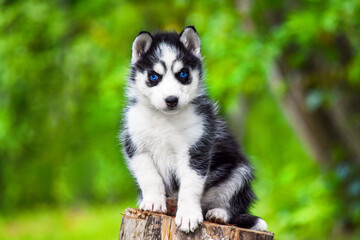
(63, 67)
(81, 222)
(293, 196)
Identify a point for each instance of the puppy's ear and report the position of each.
(140, 46)
(191, 40)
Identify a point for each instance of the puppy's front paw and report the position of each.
(188, 219)
(153, 205)
(217, 215)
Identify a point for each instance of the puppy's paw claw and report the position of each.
(188, 221)
(153, 206)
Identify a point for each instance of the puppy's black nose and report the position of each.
(171, 101)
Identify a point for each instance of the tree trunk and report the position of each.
(138, 224)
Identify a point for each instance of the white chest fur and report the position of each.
(164, 136)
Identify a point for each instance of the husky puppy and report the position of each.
(175, 143)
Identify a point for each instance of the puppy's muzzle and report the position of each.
(172, 101)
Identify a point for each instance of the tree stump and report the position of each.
(139, 225)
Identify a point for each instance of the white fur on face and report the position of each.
(178, 65)
(169, 85)
(167, 54)
(159, 68)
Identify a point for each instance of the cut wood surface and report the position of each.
(137, 224)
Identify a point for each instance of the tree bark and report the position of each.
(138, 224)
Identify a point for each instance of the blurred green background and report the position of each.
(285, 73)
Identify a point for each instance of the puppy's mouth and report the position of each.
(171, 110)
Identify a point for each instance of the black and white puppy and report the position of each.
(175, 142)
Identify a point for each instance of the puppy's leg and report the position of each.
(215, 202)
(150, 182)
(189, 214)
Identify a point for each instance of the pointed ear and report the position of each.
(190, 38)
(140, 46)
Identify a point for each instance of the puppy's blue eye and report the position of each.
(183, 74)
(154, 77)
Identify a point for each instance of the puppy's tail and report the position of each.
(249, 221)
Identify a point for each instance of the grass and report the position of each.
(86, 222)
